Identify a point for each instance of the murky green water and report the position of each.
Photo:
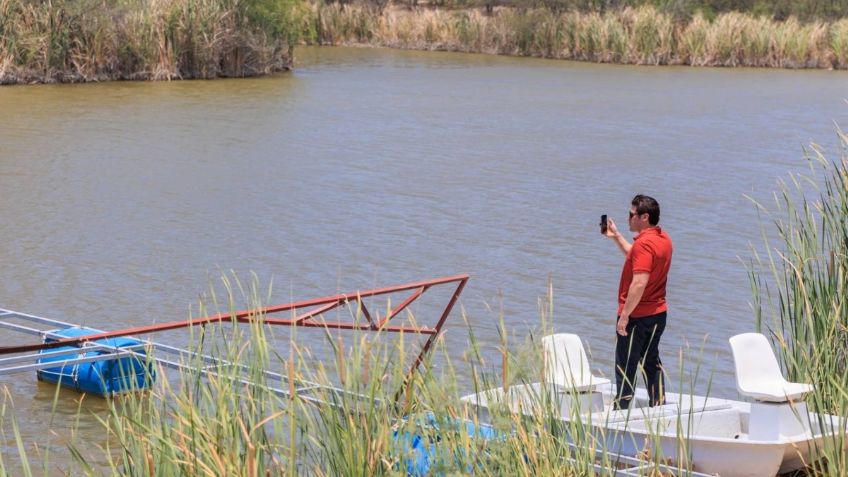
(366, 167)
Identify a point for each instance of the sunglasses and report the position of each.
(634, 214)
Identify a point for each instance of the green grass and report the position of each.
(799, 279)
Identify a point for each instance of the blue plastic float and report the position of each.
(422, 455)
(102, 377)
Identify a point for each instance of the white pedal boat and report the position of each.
(772, 434)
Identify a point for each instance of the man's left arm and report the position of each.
(634, 296)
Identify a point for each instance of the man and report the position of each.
(641, 301)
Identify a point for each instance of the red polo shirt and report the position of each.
(651, 253)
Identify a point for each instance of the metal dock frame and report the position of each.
(25, 363)
(29, 362)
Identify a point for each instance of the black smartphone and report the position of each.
(604, 224)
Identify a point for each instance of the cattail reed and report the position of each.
(96, 40)
(643, 35)
(799, 279)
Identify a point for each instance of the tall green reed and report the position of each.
(37, 460)
(6, 407)
(799, 280)
(839, 42)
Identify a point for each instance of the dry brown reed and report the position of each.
(93, 40)
(643, 35)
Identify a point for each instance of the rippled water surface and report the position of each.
(368, 167)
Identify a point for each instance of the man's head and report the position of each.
(644, 213)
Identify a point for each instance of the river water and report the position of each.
(369, 167)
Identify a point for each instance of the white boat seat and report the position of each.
(758, 375)
(566, 364)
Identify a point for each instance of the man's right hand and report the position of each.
(612, 230)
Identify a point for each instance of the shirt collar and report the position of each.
(652, 230)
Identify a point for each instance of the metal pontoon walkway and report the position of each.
(176, 358)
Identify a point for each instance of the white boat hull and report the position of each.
(707, 434)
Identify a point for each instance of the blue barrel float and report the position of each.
(103, 377)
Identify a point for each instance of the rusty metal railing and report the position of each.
(309, 310)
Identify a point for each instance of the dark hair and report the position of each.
(647, 205)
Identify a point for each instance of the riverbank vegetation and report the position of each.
(641, 35)
(680, 9)
(95, 40)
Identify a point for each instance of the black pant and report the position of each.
(640, 346)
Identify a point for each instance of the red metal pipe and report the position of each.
(343, 326)
(426, 348)
(402, 306)
(305, 320)
(432, 339)
(314, 312)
